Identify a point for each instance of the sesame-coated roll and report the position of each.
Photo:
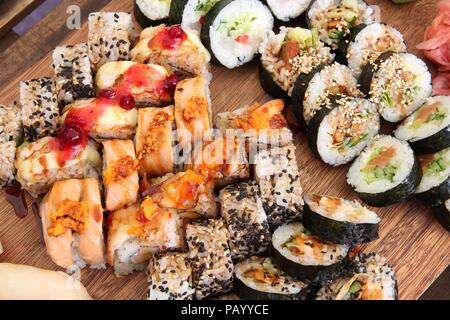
(40, 112)
(210, 257)
(7, 153)
(10, 123)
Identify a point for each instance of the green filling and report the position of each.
(387, 99)
(347, 11)
(350, 143)
(203, 7)
(240, 25)
(353, 291)
(304, 37)
(438, 165)
(372, 174)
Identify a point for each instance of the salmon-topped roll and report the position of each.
(120, 173)
(138, 232)
(72, 220)
(154, 141)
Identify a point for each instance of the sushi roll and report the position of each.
(120, 174)
(306, 257)
(336, 19)
(178, 50)
(151, 12)
(7, 157)
(185, 191)
(69, 155)
(366, 43)
(105, 117)
(234, 30)
(210, 257)
(257, 278)
(110, 37)
(385, 173)
(73, 76)
(337, 136)
(263, 124)
(170, 277)
(148, 84)
(154, 141)
(398, 83)
(190, 14)
(39, 104)
(428, 129)
(138, 232)
(442, 213)
(312, 91)
(340, 221)
(287, 55)
(72, 221)
(434, 188)
(243, 212)
(286, 10)
(277, 175)
(10, 136)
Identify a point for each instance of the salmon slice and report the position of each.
(383, 159)
(424, 113)
(263, 117)
(288, 52)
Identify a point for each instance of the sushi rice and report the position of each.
(286, 10)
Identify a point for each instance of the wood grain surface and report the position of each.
(12, 11)
(413, 241)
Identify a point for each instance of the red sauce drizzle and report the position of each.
(170, 38)
(69, 143)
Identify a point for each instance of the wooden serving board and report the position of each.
(413, 241)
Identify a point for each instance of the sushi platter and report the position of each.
(324, 196)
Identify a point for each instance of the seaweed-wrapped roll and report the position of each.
(286, 10)
(190, 14)
(151, 12)
(442, 213)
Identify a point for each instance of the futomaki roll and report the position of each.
(442, 213)
(428, 129)
(151, 12)
(386, 172)
(286, 10)
(234, 30)
(190, 13)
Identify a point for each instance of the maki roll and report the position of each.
(339, 135)
(442, 213)
(190, 14)
(259, 279)
(306, 257)
(277, 175)
(340, 221)
(7, 157)
(73, 75)
(386, 172)
(335, 19)
(210, 257)
(120, 175)
(72, 221)
(428, 129)
(234, 30)
(170, 277)
(371, 279)
(151, 12)
(313, 91)
(286, 10)
(10, 136)
(366, 43)
(434, 188)
(138, 232)
(398, 83)
(288, 54)
(40, 111)
(242, 209)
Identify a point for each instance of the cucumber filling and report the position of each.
(430, 113)
(341, 19)
(380, 166)
(238, 27)
(204, 6)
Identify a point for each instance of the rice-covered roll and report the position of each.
(138, 232)
(190, 14)
(340, 221)
(287, 55)
(69, 155)
(242, 209)
(234, 30)
(39, 105)
(335, 19)
(154, 141)
(386, 172)
(313, 91)
(428, 129)
(442, 213)
(286, 10)
(72, 221)
(434, 187)
(73, 74)
(398, 83)
(372, 279)
(210, 257)
(10, 135)
(151, 12)
(306, 257)
(120, 174)
(264, 124)
(340, 130)
(170, 277)
(104, 117)
(7, 158)
(257, 278)
(147, 84)
(186, 191)
(111, 35)
(366, 43)
(278, 177)
(178, 50)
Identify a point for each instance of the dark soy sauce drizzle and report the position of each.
(16, 198)
(37, 218)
